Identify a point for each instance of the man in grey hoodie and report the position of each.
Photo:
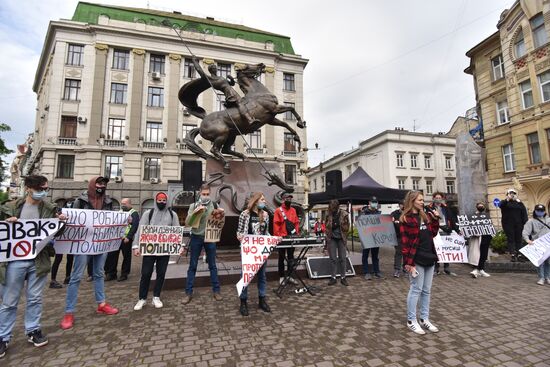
(160, 215)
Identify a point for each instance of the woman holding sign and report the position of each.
(254, 220)
(418, 228)
(535, 228)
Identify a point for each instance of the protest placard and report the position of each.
(538, 251)
(91, 232)
(161, 240)
(25, 238)
(476, 225)
(255, 250)
(214, 226)
(451, 248)
(195, 218)
(376, 230)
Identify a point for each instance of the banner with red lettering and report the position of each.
(161, 240)
(255, 250)
(451, 248)
(25, 238)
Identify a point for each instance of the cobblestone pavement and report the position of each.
(503, 320)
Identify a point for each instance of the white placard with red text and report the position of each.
(451, 248)
(25, 238)
(255, 250)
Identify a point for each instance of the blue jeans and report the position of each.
(196, 244)
(15, 281)
(262, 284)
(544, 269)
(375, 260)
(80, 262)
(420, 288)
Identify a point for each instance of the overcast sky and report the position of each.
(373, 65)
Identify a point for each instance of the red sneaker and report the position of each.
(68, 321)
(107, 309)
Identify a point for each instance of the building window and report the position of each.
(399, 159)
(68, 127)
(544, 81)
(508, 157)
(414, 160)
(153, 132)
(429, 187)
(290, 174)
(255, 139)
(526, 94)
(224, 70)
(427, 161)
(289, 115)
(416, 184)
(289, 143)
(323, 183)
(119, 92)
(113, 166)
(121, 59)
(156, 64)
(288, 82)
(539, 32)
(152, 168)
(448, 162)
(115, 129)
(401, 183)
(65, 166)
(188, 69)
(220, 101)
(185, 128)
(155, 97)
(548, 139)
(72, 90)
(534, 147)
(519, 45)
(450, 184)
(314, 184)
(502, 112)
(498, 67)
(75, 54)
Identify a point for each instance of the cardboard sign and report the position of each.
(161, 240)
(254, 253)
(538, 251)
(451, 248)
(195, 218)
(476, 225)
(24, 239)
(91, 232)
(376, 230)
(214, 226)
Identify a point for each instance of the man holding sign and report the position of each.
(35, 271)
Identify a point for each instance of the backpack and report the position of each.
(169, 210)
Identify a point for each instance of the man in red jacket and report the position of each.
(286, 224)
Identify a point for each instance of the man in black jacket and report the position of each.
(447, 224)
(398, 256)
(514, 217)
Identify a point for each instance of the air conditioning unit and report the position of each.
(155, 180)
(185, 112)
(82, 120)
(155, 75)
(118, 179)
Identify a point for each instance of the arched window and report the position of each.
(146, 205)
(519, 44)
(116, 204)
(183, 199)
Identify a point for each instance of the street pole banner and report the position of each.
(476, 225)
(376, 230)
(214, 226)
(255, 250)
(161, 240)
(451, 248)
(538, 251)
(25, 238)
(91, 232)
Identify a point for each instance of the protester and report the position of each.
(535, 228)
(418, 229)
(337, 224)
(254, 220)
(371, 209)
(286, 224)
(319, 228)
(483, 242)
(514, 217)
(111, 263)
(14, 273)
(160, 215)
(397, 257)
(55, 268)
(93, 199)
(200, 211)
(447, 224)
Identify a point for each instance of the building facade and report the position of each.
(107, 100)
(511, 72)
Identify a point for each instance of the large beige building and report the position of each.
(107, 104)
(511, 70)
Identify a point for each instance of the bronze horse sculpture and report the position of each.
(222, 127)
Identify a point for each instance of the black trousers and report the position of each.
(147, 271)
(483, 251)
(57, 262)
(111, 263)
(513, 237)
(290, 258)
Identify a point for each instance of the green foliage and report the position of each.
(3, 152)
(498, 243)
(4, 195)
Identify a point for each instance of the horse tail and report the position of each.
(189, 141)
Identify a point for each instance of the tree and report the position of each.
(3, 152)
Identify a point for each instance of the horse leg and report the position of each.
(215, 150)
(226, 149)
(277, 122)
(281, 109)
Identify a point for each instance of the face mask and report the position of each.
(480, 208)
(374, 204)
(438, 201)
(205, 200)
(40, 195)
(288, 202)
(125, 208)
(539, 213)
(161, 206)
(100, 190)
(261, 206)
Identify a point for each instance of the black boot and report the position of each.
(263, 305)
(244, 308)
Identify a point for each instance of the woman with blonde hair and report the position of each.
(254, 220)
(418, 228)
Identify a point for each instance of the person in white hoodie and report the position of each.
(537, 227)
(160, 215)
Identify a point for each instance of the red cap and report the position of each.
(161, 196)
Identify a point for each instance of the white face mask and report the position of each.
(205, 199)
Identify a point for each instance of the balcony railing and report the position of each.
(289, 153)
(66, 141)
(153, 145)
(114, 143)
(255, 150)
(182, 146)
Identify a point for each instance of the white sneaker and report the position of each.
(475, 273)
(428, 325)
(413, 325)
(139, 305)
(484, 274)
(541, 281)
(548, 280)
(291, 280)
(157, 302)
(281, 280)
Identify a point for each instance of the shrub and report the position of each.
(499, 243)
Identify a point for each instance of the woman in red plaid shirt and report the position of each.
(419, 225)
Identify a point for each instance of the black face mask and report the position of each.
(161, 206)
(480, 209)
(99, 190)
(288, 203)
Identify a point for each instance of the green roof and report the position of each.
(89, 13)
